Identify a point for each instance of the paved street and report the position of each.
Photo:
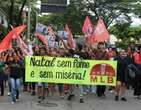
(28, 102)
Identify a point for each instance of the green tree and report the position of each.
(125, 33)
(74, 17)
(14, 8)
(116, 11)
(137, 9)
(111, 10)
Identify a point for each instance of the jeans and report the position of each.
(9, 84)
(86, 88)
(61, 87)
(93, 89)
(72, 90)
(15, 86)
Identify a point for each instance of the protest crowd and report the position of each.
(12, 64)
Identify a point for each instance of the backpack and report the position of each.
(131, 72)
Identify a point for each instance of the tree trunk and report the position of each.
(11, 12)
(21, 10)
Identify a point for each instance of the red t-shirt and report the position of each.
(110, 54)
(137, 58)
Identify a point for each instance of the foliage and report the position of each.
(137, 9)
(111, 10)
(125, 33)
(74, 17)
(116, 11)
(13, 10)
(3, 32)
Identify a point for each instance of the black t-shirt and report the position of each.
(122, 63)
(15, 69)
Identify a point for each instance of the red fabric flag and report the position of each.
(6, 42)
(101, 34)
(71, 41)
(88, 27)
(16, 31)
(42, 38)
(88, 30)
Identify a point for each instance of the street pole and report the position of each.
(28, 21)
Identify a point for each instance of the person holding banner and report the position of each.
(76, 54)
(42, 87)
(101, 54)
(61, 87)
(89, 54)
(122, 62)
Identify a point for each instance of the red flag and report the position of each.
(42, 38)
(88, 30)
(6, 43)
(88, 27)
(100, 33)
(16, 31)
(71, 41)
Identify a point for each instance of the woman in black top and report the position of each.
(122, 62)
(15, 75)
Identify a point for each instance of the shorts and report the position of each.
(60, 87)
(121, 77)
(42, 84)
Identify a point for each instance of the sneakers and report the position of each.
(41, 99)
(138, 97)
(62, 97)
(81, 100)
(103, 96)
(66, 92)
(111, 91)
(33, 93)
(123, 99)
(70, 97)
(116, 98)
(84, 93)
(13, 102)
(17, 100)
(8, 93)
